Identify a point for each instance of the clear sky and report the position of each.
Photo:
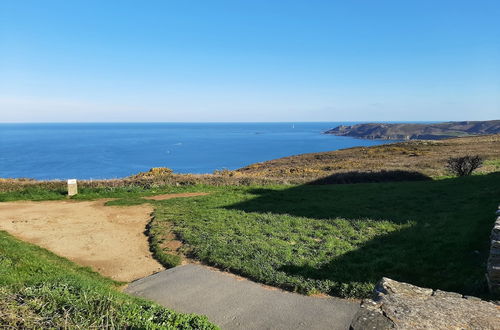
(349, 60)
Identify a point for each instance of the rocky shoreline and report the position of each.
(384, 131)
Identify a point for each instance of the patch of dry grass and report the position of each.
(426, 157)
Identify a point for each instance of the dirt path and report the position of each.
(109, 239)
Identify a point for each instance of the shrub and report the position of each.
(155, 172)
(462, 166)
(224, 172)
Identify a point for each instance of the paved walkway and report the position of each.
(235, 303)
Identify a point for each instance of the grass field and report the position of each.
(131, 193)
(41, 290)
(341, 239)
(333, 239)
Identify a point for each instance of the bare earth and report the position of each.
(109, 239)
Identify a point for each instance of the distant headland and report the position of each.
(417, 131)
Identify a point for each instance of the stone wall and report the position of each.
(398, 305)
(493, 268)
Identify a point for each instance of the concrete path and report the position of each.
(235, 303)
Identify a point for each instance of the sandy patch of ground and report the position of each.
(169, 196)
(109, 239)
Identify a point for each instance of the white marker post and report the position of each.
(72, 187)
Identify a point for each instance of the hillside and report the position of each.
(418, 131)
(423, 157)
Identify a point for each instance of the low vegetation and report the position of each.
(341, 239)
(429, 158)
(158, 235)
(57, 191)
(463, 166)
(41, 290)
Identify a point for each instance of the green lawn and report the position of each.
(341, 239)
(334, 239)
(41, 290)
(129, 193)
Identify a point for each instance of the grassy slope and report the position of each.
(41, 290)
(425, 157)
(341, 239)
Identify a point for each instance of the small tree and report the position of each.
(462, 166)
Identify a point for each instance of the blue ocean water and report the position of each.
(98, 151)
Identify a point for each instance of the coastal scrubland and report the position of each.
(426, 158)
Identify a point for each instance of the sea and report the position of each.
(116, 150)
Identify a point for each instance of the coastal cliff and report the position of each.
(417, 131)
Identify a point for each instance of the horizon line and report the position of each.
(236, 122)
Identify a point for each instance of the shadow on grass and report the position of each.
(371, 177)
(445, 244)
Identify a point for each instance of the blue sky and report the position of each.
(95, 61)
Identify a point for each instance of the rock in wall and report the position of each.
(493, 267)
(399, 305)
